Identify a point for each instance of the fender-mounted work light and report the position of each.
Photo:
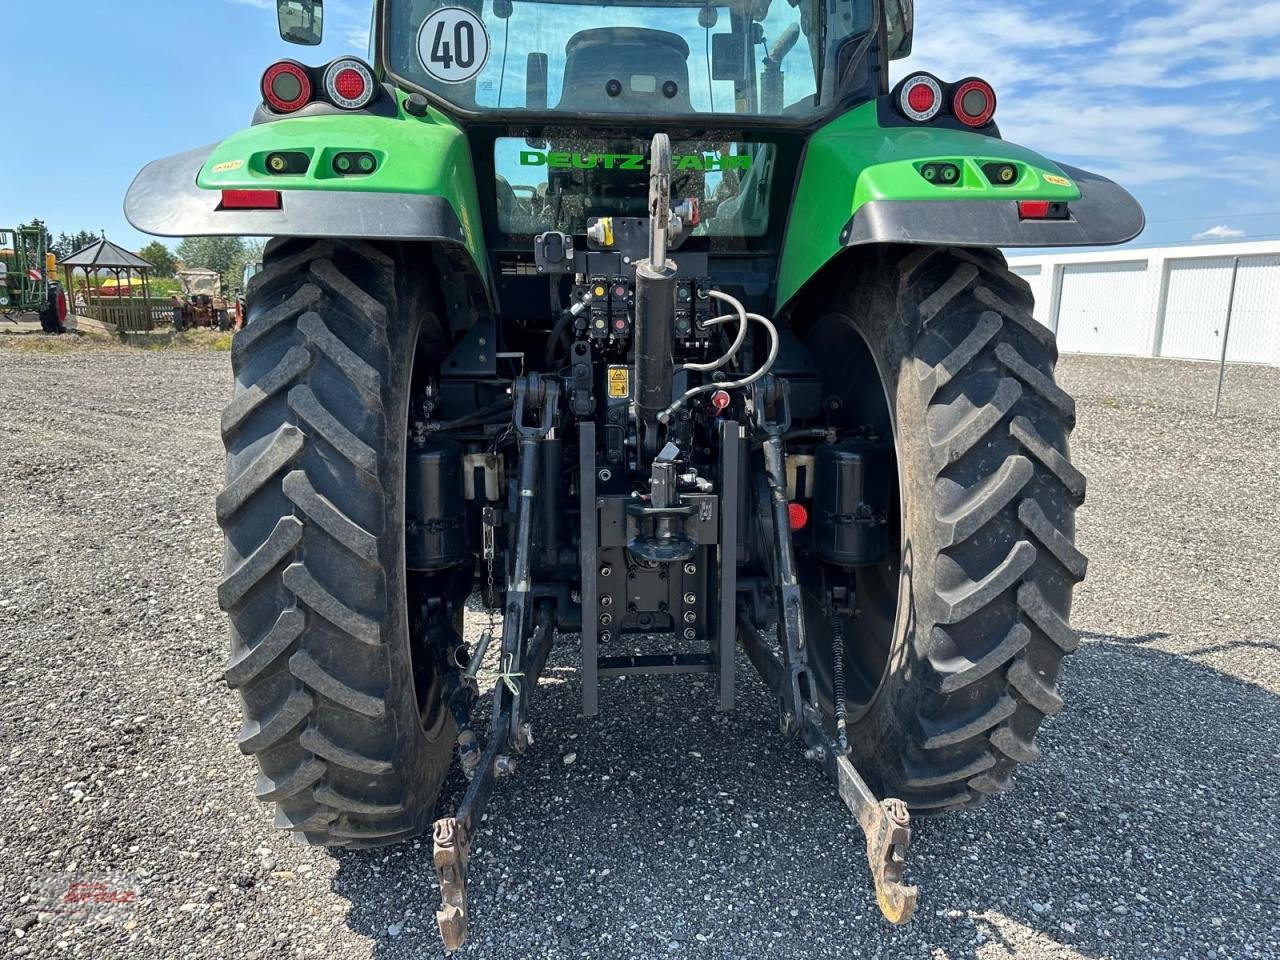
(349, 83)
(286, 86)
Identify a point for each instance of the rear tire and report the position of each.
(313, 514)
(970, 657)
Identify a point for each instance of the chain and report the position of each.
(490, 556)
(837, 681)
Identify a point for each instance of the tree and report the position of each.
(211, 253)
(67, 244)
(225, 255)
(234, 278)
(159, 256)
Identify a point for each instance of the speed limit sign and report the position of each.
(453, 45)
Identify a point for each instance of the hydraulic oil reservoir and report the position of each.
(435, 536)
(852, 498)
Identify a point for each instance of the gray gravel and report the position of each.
(1148, 830)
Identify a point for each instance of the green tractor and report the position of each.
(670, 329)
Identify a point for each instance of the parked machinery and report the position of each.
(715, 352)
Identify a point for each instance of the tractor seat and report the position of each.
(626, 70)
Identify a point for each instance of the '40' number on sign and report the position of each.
(453, 45)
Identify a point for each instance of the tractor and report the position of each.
(24, 265)
(669, 331)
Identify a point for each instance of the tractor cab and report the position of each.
(642, 60)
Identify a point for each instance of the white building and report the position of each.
(1165, 302)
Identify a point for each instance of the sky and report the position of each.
(1175, 99)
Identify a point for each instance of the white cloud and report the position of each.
(1147, 92)
(1197, 41)
(1222, 232)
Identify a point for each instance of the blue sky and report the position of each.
(1174, 98)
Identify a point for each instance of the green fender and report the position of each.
(861, 183)
(423, 188)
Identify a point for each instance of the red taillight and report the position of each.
(797, 516)
(973, 102)
(1044, 210)
(251, 200)
(920, 97)
(349, 83)
(286, 86)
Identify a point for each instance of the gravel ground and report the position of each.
(660, 830)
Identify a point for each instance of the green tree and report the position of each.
(159, 256)
(67, 244)
(234, 278)
(220, 254)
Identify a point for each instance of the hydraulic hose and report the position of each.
(737, 344)
(775, 345)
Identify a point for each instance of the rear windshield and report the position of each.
(631, 57)
(559, 184)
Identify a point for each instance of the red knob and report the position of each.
(797, 516)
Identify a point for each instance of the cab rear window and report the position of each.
(544, 185)
(767, 58)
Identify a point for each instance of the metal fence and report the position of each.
(1217, 303)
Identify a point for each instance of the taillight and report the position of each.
(1043, 210)
(920, 97)
(349, 83)
(251, 200)
(286, 86)
(973, 102)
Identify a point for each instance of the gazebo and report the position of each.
(127, 313)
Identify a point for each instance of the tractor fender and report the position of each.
(422, 186)
(891, 175)
(166, 200)
(1104, 215)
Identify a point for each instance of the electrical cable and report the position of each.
(506, 45)
(711, 90)
(476, 416)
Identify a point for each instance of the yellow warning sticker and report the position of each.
(619, 383)
(228, 166)
(1056, 180)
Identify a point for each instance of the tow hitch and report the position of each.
(885, 823)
